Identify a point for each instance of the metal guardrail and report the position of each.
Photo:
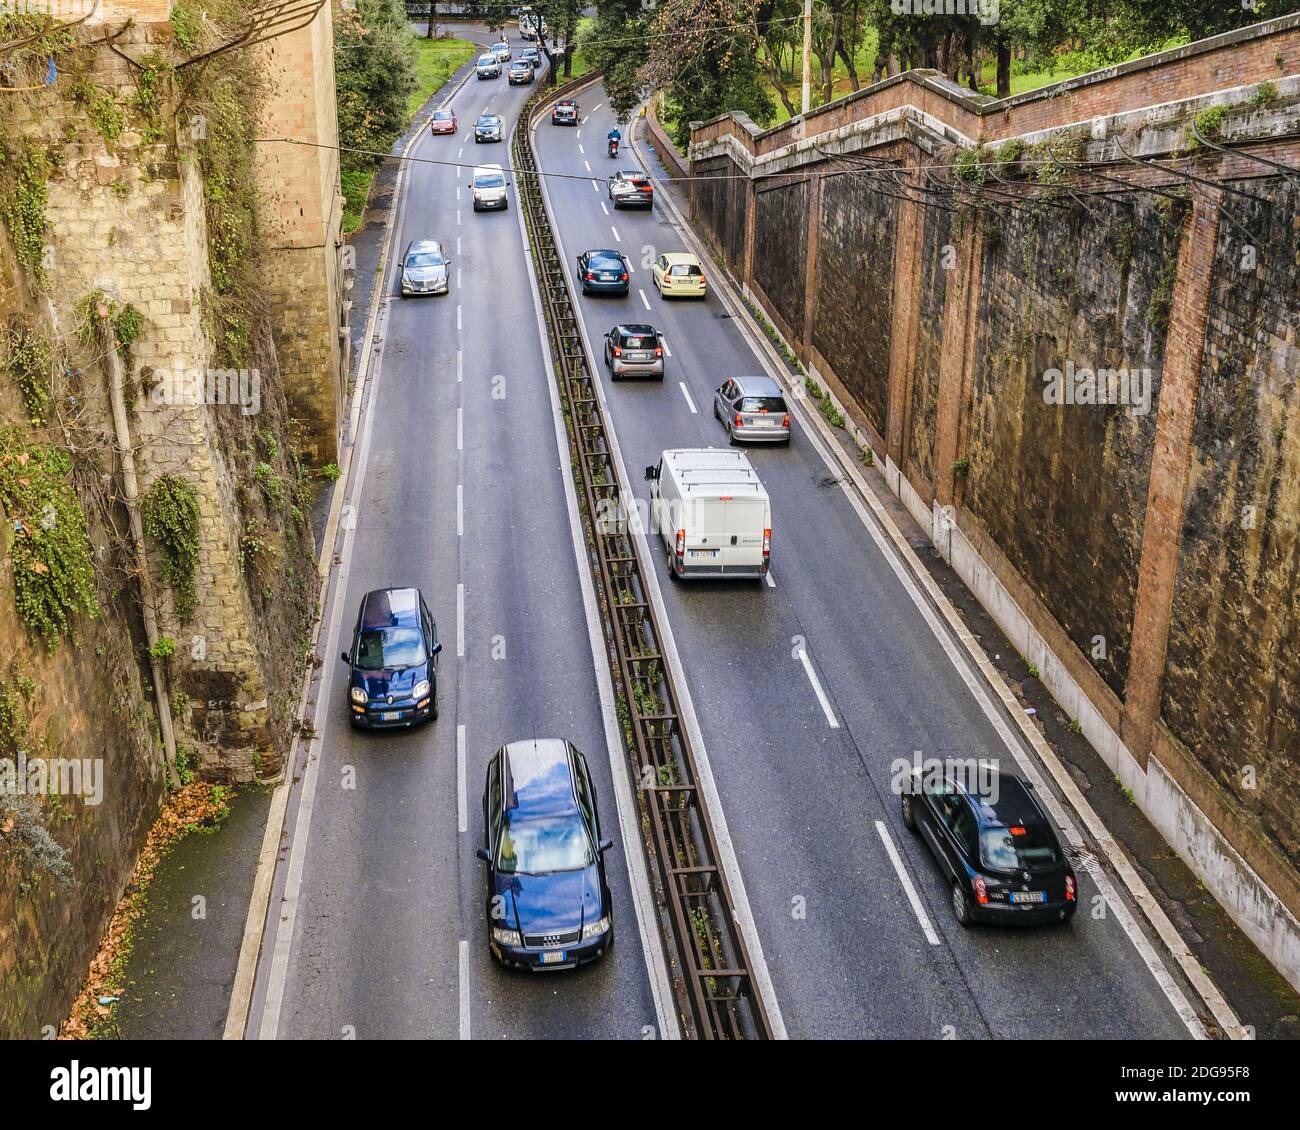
(712, 970)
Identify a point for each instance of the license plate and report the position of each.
(390, 716)
(704, 553)
(1028, 896)
(553, 957)
(763, 422)
(638, 357)
(606, 278)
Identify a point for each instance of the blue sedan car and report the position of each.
(603, 272)
(393, 661)
(548, 903)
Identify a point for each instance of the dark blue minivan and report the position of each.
(393, 661)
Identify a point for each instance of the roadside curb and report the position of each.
(993, 681)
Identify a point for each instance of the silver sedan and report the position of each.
(752, 409)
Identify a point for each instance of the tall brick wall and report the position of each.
(1152, 555)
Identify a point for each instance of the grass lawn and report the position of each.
(580, 64)
(436, 60)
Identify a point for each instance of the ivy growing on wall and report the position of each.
(54, 578)
(170, 509)
(27, 363)
(24, 171)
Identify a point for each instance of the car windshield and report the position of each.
(424, 259)
(442, 116)
(762, 404)
(398, 646)
(1026, 847)
(487, 121)
(489, 180)
(544, 843)
(487, 60)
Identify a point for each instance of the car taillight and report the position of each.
(681, 543)
(981, 891)
(659, 352)
(618, 351)
(703, 280)
(590, 276)
(740, 422)
(623, 277)
(785, 420)
(767, 543)
(1069, 888)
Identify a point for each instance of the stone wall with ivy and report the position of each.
(130, 226)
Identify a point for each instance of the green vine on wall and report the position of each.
(170, 509)
(24, 171)
(101, 108)
(54, 577)
(27, 361)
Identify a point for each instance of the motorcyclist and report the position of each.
(614, 137)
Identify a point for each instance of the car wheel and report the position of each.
(731, 437)
(672, 569)
(960, 905)
(716, 414)
(909, 817)
(435, 710)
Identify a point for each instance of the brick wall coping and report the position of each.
(1177, 73)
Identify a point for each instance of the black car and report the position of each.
(995, 847)
(393, 661)
(548, 904)
(603, 272)
(564, 113)
(487, 128)
(631, 189)
(531, 55)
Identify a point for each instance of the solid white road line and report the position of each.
(458, 217)
(603, 208)
(597, 106)
(458, 245)
(906, 880)
(588, 164)
(644, 300)
(458, 318)
(460, 429)
(460, 619)
(580, 148)
(817, 687)
(462, 809)
(458, 278)
(615, 231)
(460, 510)
(460, 365)
(686, 392)
(463, 981)
(457, 191)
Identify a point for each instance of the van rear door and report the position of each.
(743, 527)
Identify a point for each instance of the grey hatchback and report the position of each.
(752, 408)
(634, 351)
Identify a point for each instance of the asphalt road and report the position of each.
(387, 937)
(847, 954)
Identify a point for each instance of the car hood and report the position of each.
(395, 681)
(426, 274)
(552, 903)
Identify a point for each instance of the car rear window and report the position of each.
(1021, 847)
(683, 269)
(762, 404)
(639, 342)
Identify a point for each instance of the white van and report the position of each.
(712, 512)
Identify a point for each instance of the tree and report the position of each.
(374, 75)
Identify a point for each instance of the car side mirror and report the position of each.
(482, 853)
(650, 473)
(605, 845)
(347, 658)
(437, 647)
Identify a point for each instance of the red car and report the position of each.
(444, 121)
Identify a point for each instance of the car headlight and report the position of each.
(504, 937)
(406, 279)
(421, 689)
(595, 929)
(359, 696)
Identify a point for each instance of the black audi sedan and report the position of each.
(393, 661)
(995, 846)
(548, 905)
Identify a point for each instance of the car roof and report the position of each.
(758, 386)
(387, 608)
(1011, 803)
(674, 257)
(537, 778)
(629, 174)
(604, 252)
(635, 329)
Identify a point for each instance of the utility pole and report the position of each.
(806, 104)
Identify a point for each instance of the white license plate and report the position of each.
(1028, 896)
(763, 422)
(638, 357)
(390, 716)
(553, 957)
(606, 278)
(704, 553)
